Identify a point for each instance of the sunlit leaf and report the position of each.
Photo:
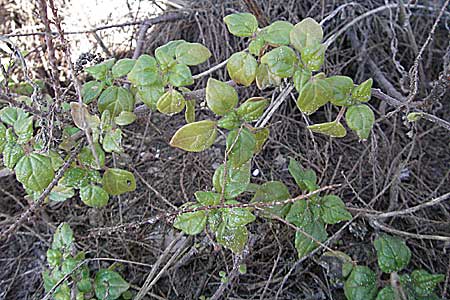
(94, 196)
(333, 129)
(363, 92)
(144, 72)
(392, 252)
(116, 99)
(281, 61)
(242, 68)
(277, 33)
(314, 94)
(122, 67)
(265, 79)
(333, 210)
(240, 146)
(118, 181)
(192, 54)
(306, 34)
(171, 102)
(220, 97)
(241, 24)
(360, 118)
(125, 118)
(91, 90)
(252, 109)
(191, 223)
(34, 171)
(237, 180)
(195, 137)
(180, 75)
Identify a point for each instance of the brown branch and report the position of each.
(37, 203)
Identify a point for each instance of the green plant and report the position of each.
(68, 275)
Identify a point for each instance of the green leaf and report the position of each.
(81, 116)
(207, 198)
(2, 137)
(122, 67)
(86, 157)
(333, 129)
(189, 113)
(304, 243)
(361, 284)
(75, 177)
(61, 193)
(192, 54)
(10, 115)
(277, 33)
(171, 102)
(94, 196)
(112, 141)
(100, 71)
(281, 61)
(306, 179)
(333, 210)
(360, 118)
(195, 137)
(237, 216)
(125, 118)
(180, 75)
(11, 154)
(313, 58)
(191, 223)
(363, 92)
(252, 109)
(34, 171)
(54, 257)
(256, 46)
(314, 94)
(386, 293)
(241, 24)
(240, 146)
(150, 94)
(300, 78)
(144, 72)
(109, 285)
(165, 55)
(230, 121)
(232, 237)
(265, 79)
(273, 191)
(300, 214)
(342, 87)
(24, 130)
(424, 283)
(118, 181)
(242, 68)
(63, 237)
(91, 90)
(306, 34)
(414, 116)
(115, 99)
(221, 98)
(237, 180)
(261, 136)
(393, 254)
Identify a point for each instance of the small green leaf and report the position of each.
(94, 196)
(150, 94)
(333, 210)
(180, 75)
(304, 243)
(342, 87)
(91, 90)
(237, 180)
(237, 216)
(87, 158)
(281, 61)
(256, 46)
(424, 283)
(393, 254)
(191, 223)
(306, 34)
(230, 121)
(10, 115)
(24, 130)
(300, 78)
(240, 146)
(122, 67)
(189, 114)
(125, 118)
(252, 109)
(81, 116)
(386, 293)
(11, 154)
(313, 58)
(34, 171)
(277, 33)
(333, 129)
(273, 191)
(232, 237)
(242, 68)
(300, 214)
(361, 284)
(220, 97)
(207, 198)
(100, 71)
(261, 136)
(109, 285)
(144, 72)
(195, 137)
(242, 269)
(54, 257)
(314, 94)
(116, 99)
(171, 102)
(63, 237)
(166, 54)
(241, 24)
(118, 181)
(112, 141)
(414, 116)
(2, 137)
(75, 177)
(265, 79)
(306, 179)
(192, 54)
(363, 92)
(360, 118)
(61, 193)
